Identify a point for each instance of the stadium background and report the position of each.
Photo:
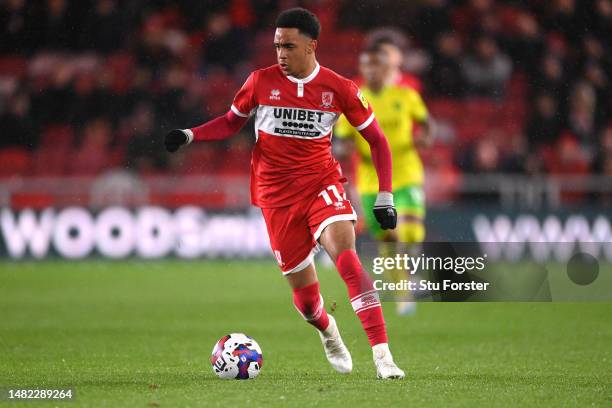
(520, 92)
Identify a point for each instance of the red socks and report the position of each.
(363, 296)
(309, 303)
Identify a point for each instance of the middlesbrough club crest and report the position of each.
(326, 99)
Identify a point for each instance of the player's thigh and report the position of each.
(290, 239)
(337, 238)
(331, 220)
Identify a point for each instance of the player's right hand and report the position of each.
(176, 138)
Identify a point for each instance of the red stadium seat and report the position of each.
(13, 66)
(122, 68)
(49, 161)
(446, 109)
(88, 161)
(200, 159)
(57, 136)
(14, 161)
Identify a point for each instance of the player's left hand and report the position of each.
(177, 138)
(384, 210)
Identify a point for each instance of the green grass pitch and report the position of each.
(139, 334)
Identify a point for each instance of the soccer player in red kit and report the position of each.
(297, 183)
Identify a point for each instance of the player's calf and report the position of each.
(309, 303)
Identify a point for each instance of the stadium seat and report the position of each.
(13, 66)
(49, 161)
(55, 146)
(121, 66)
(14, 161)
(88, 161)
(200, 159)
(443, 108)
(57, 136)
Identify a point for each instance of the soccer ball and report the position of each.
(236, 356)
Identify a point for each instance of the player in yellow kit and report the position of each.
(398, 108)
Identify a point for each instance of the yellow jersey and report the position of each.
(396, 108)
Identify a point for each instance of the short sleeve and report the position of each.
(356, 107)
(418, 110)
(343, 129)
(245, 101)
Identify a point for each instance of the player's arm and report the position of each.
(359, 114)
(384, 208)
(424, 131)
(219, 128)
(222, 127)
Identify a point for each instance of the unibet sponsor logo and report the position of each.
(298, 114)
(298, 122)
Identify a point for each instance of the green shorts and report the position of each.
(409, 200)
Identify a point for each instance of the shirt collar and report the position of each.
(309, 78)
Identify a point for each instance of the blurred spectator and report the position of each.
(486, 69)
(445, 75)
(225, 46)
(55, 104)
(431, 17)
(93, 96)
(178, 104)
(601, 18)
(58, 29)
(544, 124)
(103, 30)
(16, 126)
(13, 26)
(526, 43)
(482, 157)
(603, 156)
(581, 116)
(151, 50)
(144, 152)
(92, 155)
(563, 16)
(570, 157)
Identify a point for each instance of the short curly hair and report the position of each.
(305, 21)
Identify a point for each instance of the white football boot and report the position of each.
(385, 366)
(336, 352)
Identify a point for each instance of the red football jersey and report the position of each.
(294, 119)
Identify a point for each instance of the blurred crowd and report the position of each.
(101, 81)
